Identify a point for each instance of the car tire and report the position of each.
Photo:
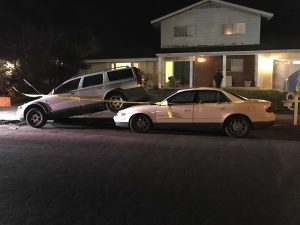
(237, 126)
(140, 123)
(36, 117)
(118, 105)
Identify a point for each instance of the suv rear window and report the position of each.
(120, 74)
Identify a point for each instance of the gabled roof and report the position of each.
(216, 3)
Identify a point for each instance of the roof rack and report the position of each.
(118, 67)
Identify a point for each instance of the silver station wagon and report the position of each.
(85, 94)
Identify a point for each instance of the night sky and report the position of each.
(127, 22)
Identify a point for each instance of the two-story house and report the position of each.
(213, 34)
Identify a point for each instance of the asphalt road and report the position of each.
(88, 172)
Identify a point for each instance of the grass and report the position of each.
(275, 96)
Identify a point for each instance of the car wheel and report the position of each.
(237, 126)
(36, 117)
(116, 102)
(140, 123)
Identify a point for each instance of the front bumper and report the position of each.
(121, 121)
(122, 124)
(20, 113)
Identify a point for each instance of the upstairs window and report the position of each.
(234, 29)
(185, 31)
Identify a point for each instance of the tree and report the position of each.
(47, 56)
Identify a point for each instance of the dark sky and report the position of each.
(127, 22)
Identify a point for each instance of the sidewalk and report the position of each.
(9, 113)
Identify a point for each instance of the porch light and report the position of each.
(201, 59)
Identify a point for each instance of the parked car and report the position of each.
(84, 94)
(200, 108)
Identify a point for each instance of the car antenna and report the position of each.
(29, 84)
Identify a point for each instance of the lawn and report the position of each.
(275, 96)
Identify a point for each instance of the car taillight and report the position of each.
(269, 109)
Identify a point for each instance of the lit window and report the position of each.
(184, 31)
(233, 29)
(122, 64)
(228, 29)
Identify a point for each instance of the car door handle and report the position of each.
(187, 110)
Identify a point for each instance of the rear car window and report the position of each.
(92, 80)
(211, 97)
(120, 74)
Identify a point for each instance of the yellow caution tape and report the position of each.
(170, 113)
(85, 98)
(169, 110)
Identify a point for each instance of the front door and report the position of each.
(65, 101)
(178, 109)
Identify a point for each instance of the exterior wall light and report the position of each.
(201, 59)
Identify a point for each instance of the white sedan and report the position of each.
(199, 108)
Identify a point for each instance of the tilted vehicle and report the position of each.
(85, 94)
(199, 108)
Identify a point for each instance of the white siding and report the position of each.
(209, 30)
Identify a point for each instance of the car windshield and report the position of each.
(238, 96)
